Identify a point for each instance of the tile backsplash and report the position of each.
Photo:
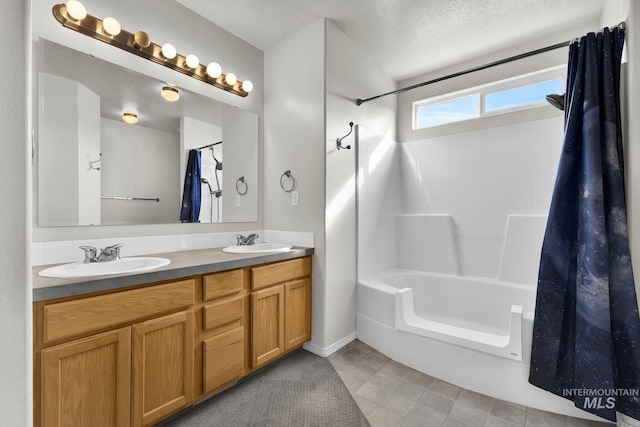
(68, 251)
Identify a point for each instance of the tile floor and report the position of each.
(391, 394)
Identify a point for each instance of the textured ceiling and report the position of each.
(405, 37)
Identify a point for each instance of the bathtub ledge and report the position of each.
(508, 346)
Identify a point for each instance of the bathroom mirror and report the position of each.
(94, 169)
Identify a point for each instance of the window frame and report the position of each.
(489, 89)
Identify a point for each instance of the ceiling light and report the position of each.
(247, 86)
(214, 70)
(231, 79)
(192, 61)
(130, 118)
(76, 10)
(168, 51)
(111, 26)
(169, 93)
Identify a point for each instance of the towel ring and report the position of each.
(241, 181)
(293, 181)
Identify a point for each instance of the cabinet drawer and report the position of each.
(223, 359)
(223, 315)
(70, 318)
(267, 275)
(222, 284)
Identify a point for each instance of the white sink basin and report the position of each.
(121, 266)
(258, 248)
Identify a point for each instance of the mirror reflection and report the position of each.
(112, 150)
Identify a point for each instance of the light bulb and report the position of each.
(130, 118)
(214, 70)
(171, 94)
(168, 51)
(192, 61)
(247, 86)
(141, 40)
(231, 79)
(111, 26)
(76, 10)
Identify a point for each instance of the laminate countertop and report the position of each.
(183, 264)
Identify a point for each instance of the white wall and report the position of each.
(631, 97)
(164, 21)
(294, 140)
(350, 74)
(15, 225)
(138, 162)
(88, 149)
(239, 129)
(305, 111)
(57, 158)
(69, 138)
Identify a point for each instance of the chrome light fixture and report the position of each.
(73, 15)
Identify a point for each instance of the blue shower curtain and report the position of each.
(190, 211)
(586, 332)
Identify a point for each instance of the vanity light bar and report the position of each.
(140, 44)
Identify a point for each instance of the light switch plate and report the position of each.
(294, 198)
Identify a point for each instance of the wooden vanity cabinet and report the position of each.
(297, 313)
(162, 367)
(281, 308)
(133, 357)
(87, 382)
(224, 333)
(136, 373)
(267, 317)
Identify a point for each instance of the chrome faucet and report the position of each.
(246, 241)
(110, 253)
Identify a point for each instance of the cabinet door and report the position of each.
(162, 367)
(223, 359)
(87, 382)
(297, 321)
(267, 324)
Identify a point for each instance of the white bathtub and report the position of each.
(472, 332)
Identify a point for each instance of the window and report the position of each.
(521, 97)
(496, 98)
(451, 111)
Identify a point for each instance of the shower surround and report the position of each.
(449, 237)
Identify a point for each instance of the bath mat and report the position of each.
(301, 390)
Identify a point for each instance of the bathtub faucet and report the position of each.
(246, 241)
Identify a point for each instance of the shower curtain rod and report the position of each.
(207, 146)
(478, 68)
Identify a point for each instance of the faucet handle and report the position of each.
(250, 240)
(89, 253)
(240, 240)
(115, 250)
